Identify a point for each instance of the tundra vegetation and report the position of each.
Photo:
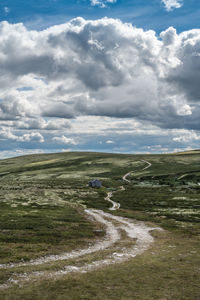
(42, 201)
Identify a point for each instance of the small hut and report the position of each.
(95, 183)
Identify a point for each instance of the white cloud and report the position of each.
(172, 4)
(187, 136)
(109, 142)
(31, 137)
(7, 134)
(102, 3)
(41, 124)
(63, 139)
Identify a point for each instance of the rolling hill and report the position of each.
(43, 200)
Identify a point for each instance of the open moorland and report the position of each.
(61, 239)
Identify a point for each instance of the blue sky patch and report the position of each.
(150, 14)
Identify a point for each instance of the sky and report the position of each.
(99, 75)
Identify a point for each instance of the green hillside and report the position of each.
(42, 202)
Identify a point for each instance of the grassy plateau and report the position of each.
(42, 202)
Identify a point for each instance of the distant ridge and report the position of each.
(188, 152)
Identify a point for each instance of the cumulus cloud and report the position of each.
(187, 136)
(34, 136)
(101, 69)
(7, 134)
(172, 4)
(41, 124)
(64, 140)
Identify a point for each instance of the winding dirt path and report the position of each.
(115, 205)
(137, 234)
(126, 175)
(148, 164)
